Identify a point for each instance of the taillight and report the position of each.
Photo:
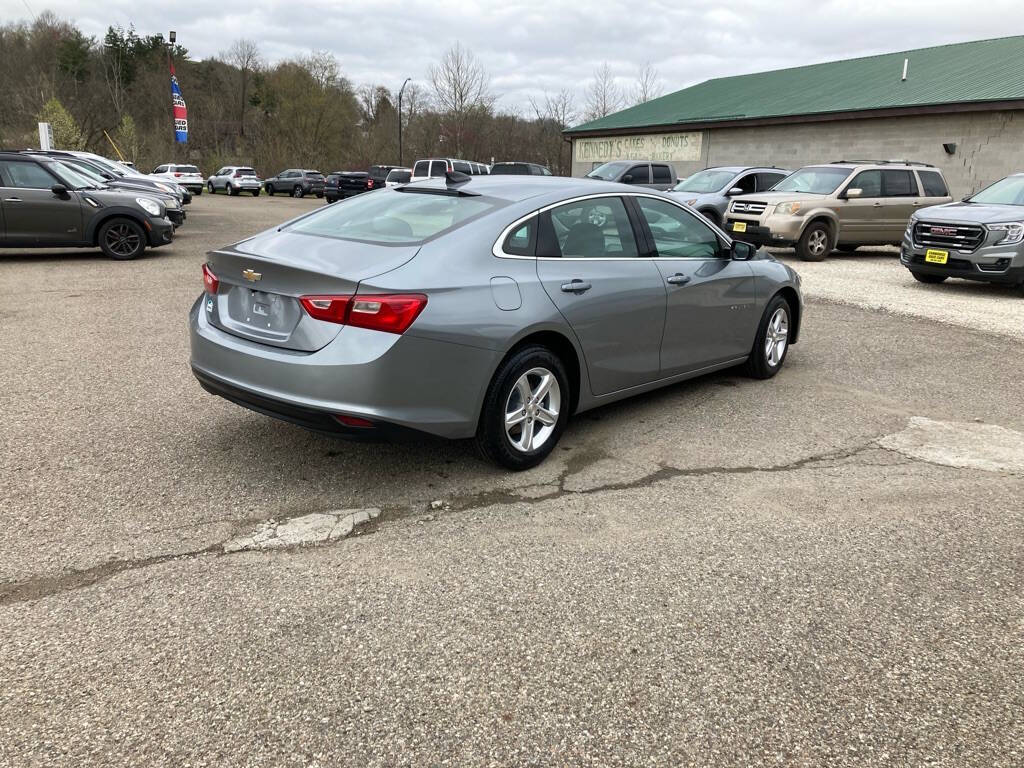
(330, 308)
(177, 175)
(210, 281)
(369, 183)
(392, 313)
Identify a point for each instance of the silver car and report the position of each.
(488, 307)
(709, 191)
(235, 179)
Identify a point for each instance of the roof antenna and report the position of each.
(906, 63)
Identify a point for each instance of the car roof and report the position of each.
(516, 188)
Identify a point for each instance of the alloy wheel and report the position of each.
(817, 242)
(776, 337)
(122, 239)
(532, 408)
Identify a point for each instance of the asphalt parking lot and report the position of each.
(821, 569)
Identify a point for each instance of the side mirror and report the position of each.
(743, 251)
(734, 191)
(853, 192)
(628, 178)
(106, 175)
(59, 190)
(967, 199)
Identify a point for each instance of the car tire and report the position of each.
(815, 243)
(270, 189)
(199, 191)
(921, 277)
(232, 192)
(121, 238)
(297, 192)
(320, 194)
(765, 361)
(211, 188)
(256, 192)
(520, 376)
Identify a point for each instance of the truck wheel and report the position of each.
(815, 243)
(121, 239)
(921, 277)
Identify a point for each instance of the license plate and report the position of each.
(936, 257)
(739, 226)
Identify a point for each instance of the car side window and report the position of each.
(933, 184)
(662, 174)
(899, 184)
(766, 181)
(587, 229)
(522, 240)
(678, 234)
(747, 183)
(639, 174)
(868, 182)
(438, 168)
(160, 169)
(422, 168)
(26, 175)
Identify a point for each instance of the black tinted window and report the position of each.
(662, 174)
(422, 168)
(899, 184)
(747, 183)
(933, 183)
(588, 229)
(461, 167)
(510, 169)
(25, 175)
(438, 168)
(768, 180)
(639, 174)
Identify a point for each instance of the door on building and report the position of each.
(710, 315)
(589, 263)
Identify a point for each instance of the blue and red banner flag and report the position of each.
(180, 113)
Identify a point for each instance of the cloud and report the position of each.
(547, 45)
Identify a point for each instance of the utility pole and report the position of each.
(400, 92)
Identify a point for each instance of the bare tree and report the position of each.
(603, 95)
(245, 56)
(648, 84)
(559, 108)
(462, 87)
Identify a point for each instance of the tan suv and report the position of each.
(839, 205)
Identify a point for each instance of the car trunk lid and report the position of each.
(261, 280)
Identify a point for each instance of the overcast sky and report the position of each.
(529, 46)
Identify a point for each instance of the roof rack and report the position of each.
(881, 162)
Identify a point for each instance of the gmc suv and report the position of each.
(843, 204)
(979, 238)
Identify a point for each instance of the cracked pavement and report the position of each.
(823, 569)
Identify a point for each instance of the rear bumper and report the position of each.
(399, 383)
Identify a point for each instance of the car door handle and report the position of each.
(576, 286)
(877, 205)
(12, 199)
(678, 279)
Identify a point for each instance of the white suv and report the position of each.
(438, 166)
(235, 179)
(187, 176)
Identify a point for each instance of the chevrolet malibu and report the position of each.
(489, 307)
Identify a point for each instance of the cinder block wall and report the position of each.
(990, 145)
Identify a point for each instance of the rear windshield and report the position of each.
(186, 169)
(400, 218)
(400, 176)
(816, 180)
(510, 169)
(245, 172)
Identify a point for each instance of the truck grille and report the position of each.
(958, 237)
(749, 206)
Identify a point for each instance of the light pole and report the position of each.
(400, 92)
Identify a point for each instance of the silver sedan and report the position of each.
(484, 307)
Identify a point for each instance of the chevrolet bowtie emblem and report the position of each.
(251, 274)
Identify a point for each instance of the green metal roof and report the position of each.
(984, 70)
